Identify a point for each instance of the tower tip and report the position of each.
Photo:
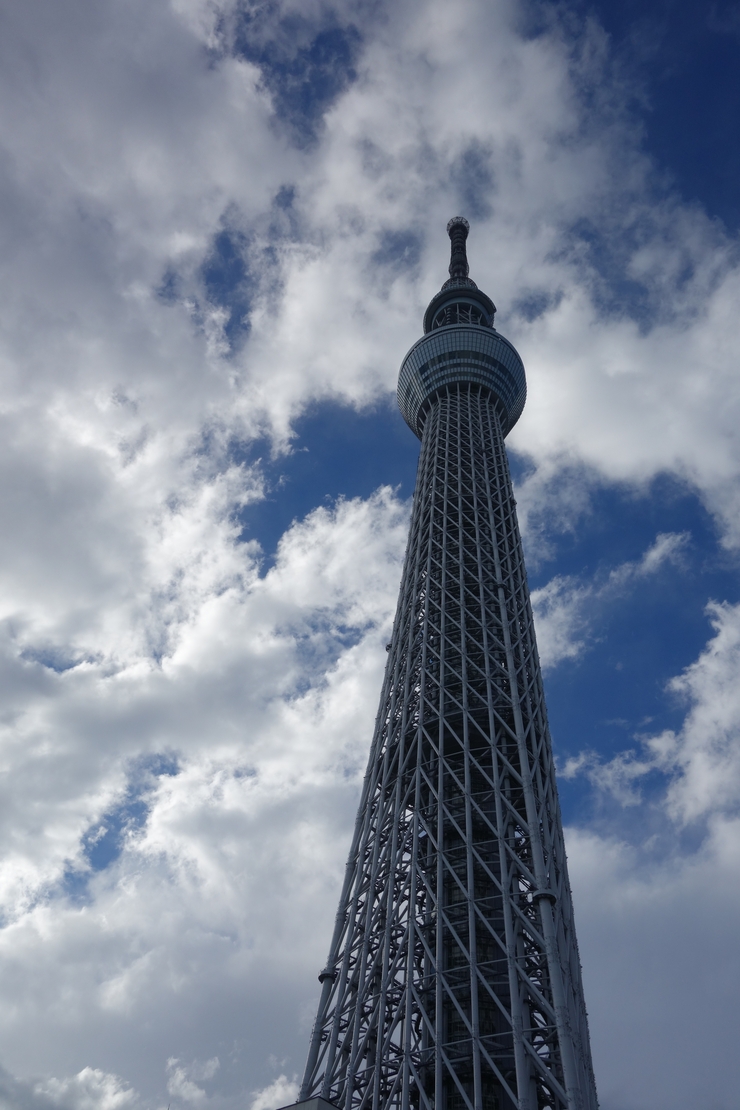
(458, 221)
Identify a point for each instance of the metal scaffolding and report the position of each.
(453, 980)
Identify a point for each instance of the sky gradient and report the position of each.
(221, 223)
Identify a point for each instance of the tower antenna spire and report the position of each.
(458, 229)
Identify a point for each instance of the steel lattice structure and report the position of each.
(453, 980)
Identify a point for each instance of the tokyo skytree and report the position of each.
(453, 980)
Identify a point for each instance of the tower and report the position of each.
(453, 980)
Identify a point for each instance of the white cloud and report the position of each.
(266, 699)
(701, 761)
(657, 919)
(181, 1079)
(657, 936)
(704, 757)
(561, 612)
(566, 608)
(280, 1093)
(91, 1089)
(621, 776)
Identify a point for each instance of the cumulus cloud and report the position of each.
(658, 915)
(280, 1093)
(701, 761)
(704, 757)
(223, 771)
(566, 608)
(657, 930)
(91, 1089)
(181, 1079)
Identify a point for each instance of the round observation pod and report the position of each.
(460, 347)
(465, 355)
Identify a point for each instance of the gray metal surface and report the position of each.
(453, 980)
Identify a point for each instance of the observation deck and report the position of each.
(460, 347)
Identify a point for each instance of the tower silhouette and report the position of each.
(453, 980)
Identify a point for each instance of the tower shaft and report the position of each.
(453, 980)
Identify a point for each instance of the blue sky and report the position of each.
(221, 224)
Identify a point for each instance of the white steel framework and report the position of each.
(453, 980)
